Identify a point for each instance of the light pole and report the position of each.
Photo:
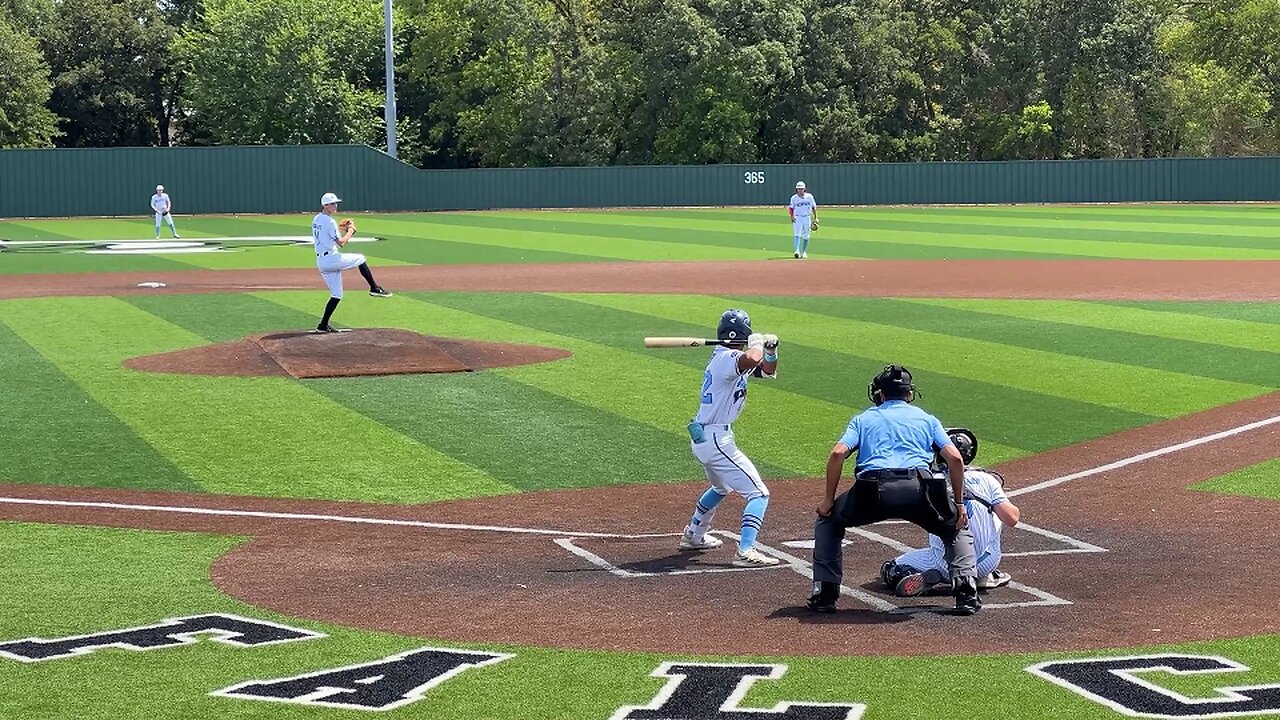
(390, 60)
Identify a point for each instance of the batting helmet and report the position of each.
(735, 325)
(892, 382)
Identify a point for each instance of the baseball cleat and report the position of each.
(889, 573)
(797, 256)
(993, 580)
(752, 557)
(824, 597)
(966, 592)
(917, 583)
(330, 329)
(804, 254)
(706, 542)
(380, 291)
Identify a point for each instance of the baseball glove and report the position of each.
(813, 225)
(347, 224)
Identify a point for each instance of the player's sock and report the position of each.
(703, 512)
(804, 246)
(328, 311)
(797, 244)
(157, 229)
(368, 275)
(752, 521)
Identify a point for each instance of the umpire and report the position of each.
(895, 442)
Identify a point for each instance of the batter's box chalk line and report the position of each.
(572, 546)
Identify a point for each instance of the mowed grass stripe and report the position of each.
(543, 440)
(1252, 312)
(849, 227)
(1127, 347)
(56, 434)
(243, 436)
(651, 392)
(1011, 422)
(1114, 385)
(527, 437)
(810, 375)
(527, 236)
(774, 243)
(402, 242)
(1206, 333)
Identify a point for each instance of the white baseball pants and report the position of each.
(331, 267)
(728, 469)
(801, 226)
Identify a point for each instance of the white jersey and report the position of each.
(724, 388)
(984, 488)
(324, 233)
(803, 206)
(159, 202)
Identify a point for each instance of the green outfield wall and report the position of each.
(119, 181)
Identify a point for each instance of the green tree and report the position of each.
(286, 71)
(25, 121)
(109, 61)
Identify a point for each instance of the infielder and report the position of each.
(804, 215)
(163, 209)
(723, 394)
(916, 571)
(331, 263)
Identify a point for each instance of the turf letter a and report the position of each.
(380, 685)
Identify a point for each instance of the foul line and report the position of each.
(352, 519)
(1145, 456)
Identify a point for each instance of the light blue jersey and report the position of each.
(894, 435)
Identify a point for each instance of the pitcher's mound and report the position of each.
(374, 351)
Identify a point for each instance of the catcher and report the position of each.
(331, 262)
(915, 572)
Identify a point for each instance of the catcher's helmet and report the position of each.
(966, 442)
(735, 325)
(892, 382)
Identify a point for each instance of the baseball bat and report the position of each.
(672, 342)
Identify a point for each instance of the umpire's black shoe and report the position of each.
(824, 597)
(966, 592)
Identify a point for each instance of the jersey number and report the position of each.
(706, 388)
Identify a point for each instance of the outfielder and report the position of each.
(163, 209)
(916, 571)
(331, 263)
(804, 217)
(723, 395)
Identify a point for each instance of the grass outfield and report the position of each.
(1027, 375)
(1138, 232)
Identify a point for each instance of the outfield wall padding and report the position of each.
(276, 179)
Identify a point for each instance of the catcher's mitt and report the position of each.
(813, 225)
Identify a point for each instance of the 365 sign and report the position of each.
(753, 177)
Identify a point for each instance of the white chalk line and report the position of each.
(603, 564)
(351, 519)
(1146, 456)
(804, 568)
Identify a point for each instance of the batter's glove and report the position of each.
(813, 225)
(770, 344)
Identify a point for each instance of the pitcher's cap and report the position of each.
(329, 199)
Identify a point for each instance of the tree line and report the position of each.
(589, 82)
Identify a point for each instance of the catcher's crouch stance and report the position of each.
(915, 572)
(895, 442)
(331, 263)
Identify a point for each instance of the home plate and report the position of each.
(808, 544)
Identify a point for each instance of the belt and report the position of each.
(717, 427)
(894, 474)
(326, 252)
